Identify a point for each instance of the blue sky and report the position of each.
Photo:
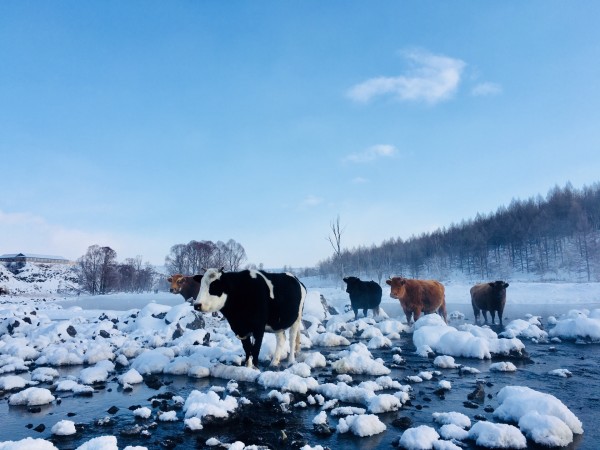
(143, 124)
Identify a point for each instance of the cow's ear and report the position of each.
(492, 284)
(222, 269)
(506, 285)
(197, 278)
(345, 279)
(170, 279)
(388, 282)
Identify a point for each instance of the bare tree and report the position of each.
(336, 243)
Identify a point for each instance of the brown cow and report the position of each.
(418, 296)
(184, 285)
(489, 297)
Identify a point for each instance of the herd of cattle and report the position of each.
(255, 301)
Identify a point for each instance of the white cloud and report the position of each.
(310, 201)
(359, 180)
(33, 234)
(431, 79)
(486, 89)
(372, 153)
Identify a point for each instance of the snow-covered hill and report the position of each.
(43, 279)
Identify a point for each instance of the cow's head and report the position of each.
(350, 283)
(498, 285)
(212, 295)
(398, 287)
(177, 282)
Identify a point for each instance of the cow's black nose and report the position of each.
(171, 290)
(198, 307)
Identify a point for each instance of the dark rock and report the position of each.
(478, 394)
(479, 417)
(471, 405)
(402, 422)
(153, 381)
(488, 409)
(34, 409)
(105, 334)
(71, 331)
(71, 414)
(40, 428)
(323, 429)
(27, 320)
(112, 410)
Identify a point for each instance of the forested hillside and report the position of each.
(552, 238)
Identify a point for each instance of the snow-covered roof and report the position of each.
(31, 255)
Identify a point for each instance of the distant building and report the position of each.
(32, 258)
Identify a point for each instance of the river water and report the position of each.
(264, 423)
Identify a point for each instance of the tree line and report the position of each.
(551, 238)
(101, 273)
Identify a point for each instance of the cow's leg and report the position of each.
(294, 336)
(280, 338)
(493, 314)
(442, 312)
(376, 311)
(258, 338)
(484, 313)
(355, 313)
(500, 312)
(417, 313)
(408, 315)
(476, 312)
(365, 311)
(247, 344)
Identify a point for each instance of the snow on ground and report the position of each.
(156, 338)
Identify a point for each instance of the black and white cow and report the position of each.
(364, 295)
(253, 302)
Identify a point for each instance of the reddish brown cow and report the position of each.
(418, 296)
(184, 285)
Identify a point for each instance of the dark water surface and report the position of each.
(264, 422)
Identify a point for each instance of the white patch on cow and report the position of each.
(207, 302)
(254, 273)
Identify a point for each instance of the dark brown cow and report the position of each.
(184, 285)
(418, 296)
(489, 297)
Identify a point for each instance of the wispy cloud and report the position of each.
(372, 153)
(311, 201)
(431, 79)
(486, 89)
(359, 180)
(33, 234)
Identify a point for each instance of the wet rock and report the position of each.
(402, 422)
(206, 340)
(198, 322)
(471, 405)
(478, 394)
(71, 331)
(479, 417)
(105, 422)
(27, 320)
(134, 430)
(488, 409)
(160, 315)
(40, 428)
(105, 334)
(34, 409)
(153, 381)
(322, 429)
(112, 410)
(71, 414)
